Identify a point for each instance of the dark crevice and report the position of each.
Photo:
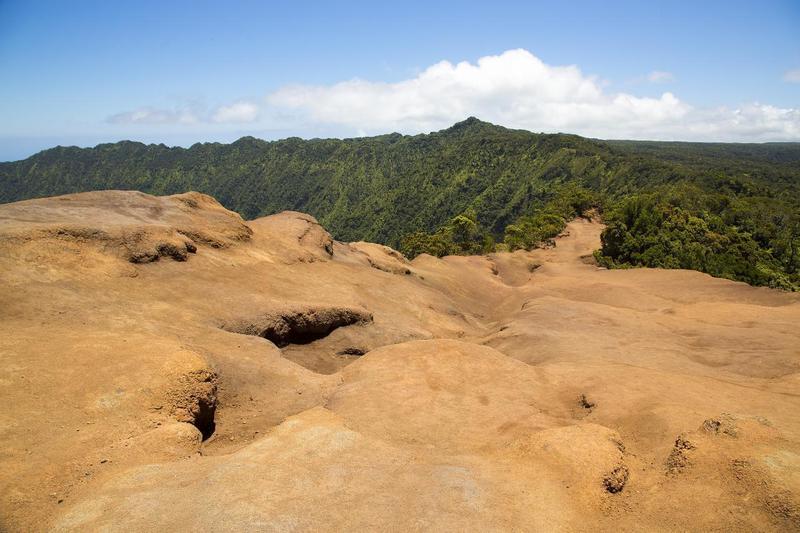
(586, 403)
(301, 326)
(352, 351)
(196, 400)
(204, 419)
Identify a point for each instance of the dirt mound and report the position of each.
(293, 237)
(382, 257)
(465, 391)
(525, 390)
(745, 458)
(139, 227)
(388, 486)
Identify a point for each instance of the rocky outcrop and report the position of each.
(136, 226)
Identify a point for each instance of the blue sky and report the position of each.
(182, 72)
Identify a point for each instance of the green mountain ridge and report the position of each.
(388, 187)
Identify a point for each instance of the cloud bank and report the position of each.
(150, 115)
(517, 89)
(239, 112)
(514, 89)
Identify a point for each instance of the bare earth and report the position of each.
(166, 366)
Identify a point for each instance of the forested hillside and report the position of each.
(728, 209)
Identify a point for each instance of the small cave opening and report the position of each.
(299, 333)
(302, 326)
(204, 419)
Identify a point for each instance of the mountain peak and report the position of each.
(467, 124)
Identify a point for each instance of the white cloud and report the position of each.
(150, 115)
(514, 89)
(792, 76)
(660, 76)
(237, 112)
(517, 89)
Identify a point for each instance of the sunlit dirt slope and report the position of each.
(165, 365)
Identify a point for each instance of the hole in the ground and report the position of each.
(352, 351)
(586, 403)
(195, 400)
(204, 418)
(300, 326)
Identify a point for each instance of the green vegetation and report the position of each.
(727, 209)
(528, 231)
(755, 240)
(461, 235)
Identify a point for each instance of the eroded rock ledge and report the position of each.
(300, 325)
